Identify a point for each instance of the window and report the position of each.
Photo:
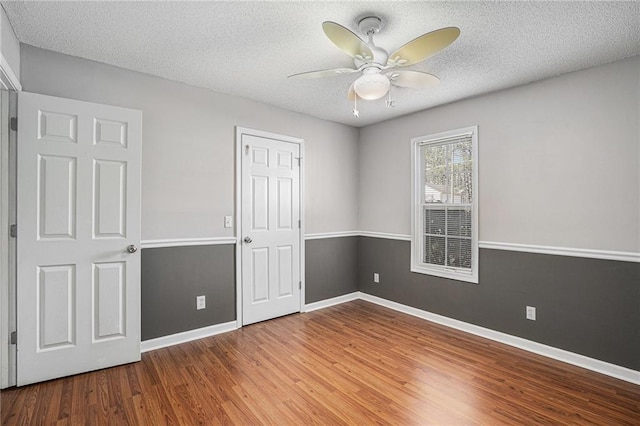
(444, 239)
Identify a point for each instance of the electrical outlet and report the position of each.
(228, 221)
(201, 302)
(376, 277)
(531, 313)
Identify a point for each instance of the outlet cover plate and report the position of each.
(201, 302)
(531, 313)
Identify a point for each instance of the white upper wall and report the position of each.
(559, 161)
(188, 148)
(559, 158)
(9, 50)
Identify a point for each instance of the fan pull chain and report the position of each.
(390, 103)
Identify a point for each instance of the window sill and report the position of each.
(470, 277)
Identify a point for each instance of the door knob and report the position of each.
(132, 248)
(247, 240)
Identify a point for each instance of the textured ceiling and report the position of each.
(248, 48)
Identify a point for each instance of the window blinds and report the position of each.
(447, 203)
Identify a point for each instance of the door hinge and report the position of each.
(13, 231)
(299, 224)
(298, 158)
(246, 149)
(14, 338)
(13, 124)
(299, 285)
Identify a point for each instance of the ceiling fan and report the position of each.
(379, 69)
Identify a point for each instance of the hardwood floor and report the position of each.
(355, 363)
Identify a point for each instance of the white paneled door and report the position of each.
(270, 228)
(78, 271)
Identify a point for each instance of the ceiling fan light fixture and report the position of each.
(371, 86)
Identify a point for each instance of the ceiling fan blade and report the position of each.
(346, 40)
(419, 49)
(413, 79)
(323, 73)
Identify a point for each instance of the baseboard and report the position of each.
(186, 336)
(606, 368)
(330, 302)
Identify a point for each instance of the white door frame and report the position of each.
(238, 215)
(4, 239)
(8, 81)
(7, 243)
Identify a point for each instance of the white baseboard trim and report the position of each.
(606, 368)
(330, 302)
(578, 360)
(183, 242)
(186, 336)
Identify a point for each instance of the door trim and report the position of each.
(7, 243)
(238, 214)
(8, 79)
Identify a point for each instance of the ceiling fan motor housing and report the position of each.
(380, 57)
(369, 26)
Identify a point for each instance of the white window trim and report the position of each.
(417, 192)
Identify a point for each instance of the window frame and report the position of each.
(417, 196)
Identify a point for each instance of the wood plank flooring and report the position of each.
(355, 363)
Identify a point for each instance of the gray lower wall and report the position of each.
(586, 306)
(331, 268)
(172, 277)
